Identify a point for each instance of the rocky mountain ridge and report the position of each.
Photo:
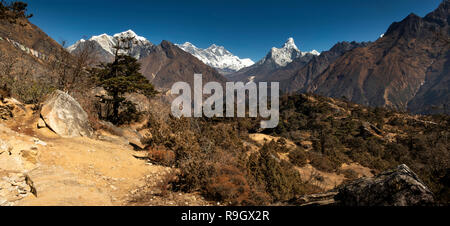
(406, 69)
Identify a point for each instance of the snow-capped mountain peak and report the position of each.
(187, 44)
(104, 45)
(286, 54)
(130, 33)
(290, 44)
(217, 57)
(105, 41)
(315, 52)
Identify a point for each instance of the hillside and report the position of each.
(27, 45)
(321, 143)
(298, 75)
(407, 65)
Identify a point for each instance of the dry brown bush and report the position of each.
(229, 185)
(162, 156)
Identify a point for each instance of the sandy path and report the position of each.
(73, 171)
(85, 172)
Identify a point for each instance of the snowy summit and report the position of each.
(286, 54)
(103, 45)
(217, 57)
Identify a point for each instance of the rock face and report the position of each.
(64, 116)
(398, 187)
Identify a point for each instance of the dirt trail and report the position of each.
(76, 171)
(85, 172)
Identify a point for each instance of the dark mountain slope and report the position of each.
(167, 64)
(391, 71)
(298, 75)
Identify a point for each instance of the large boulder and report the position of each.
(64, 116)
(397, 187)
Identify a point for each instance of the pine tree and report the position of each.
(122, 76)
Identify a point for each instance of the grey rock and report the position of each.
(64, 116)
(397, 187)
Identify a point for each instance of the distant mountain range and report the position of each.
(301, 72)
(407, 68)
(217, 57)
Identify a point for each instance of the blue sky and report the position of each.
(248, 28)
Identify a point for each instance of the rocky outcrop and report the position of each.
(396, 187)
(10, 107)
(369, 130)
(64, 116)
(18, 157)
(15, 186)
(5, 111)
